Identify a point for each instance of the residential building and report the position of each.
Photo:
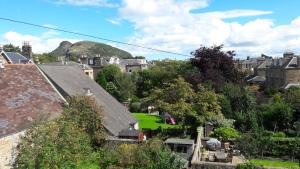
(70, 80)
(126, 65)
(250, 64)
(26, 96)
(284, 72)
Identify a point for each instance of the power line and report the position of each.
(91, 36)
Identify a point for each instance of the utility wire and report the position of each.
(91, 36)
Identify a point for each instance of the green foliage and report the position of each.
(11, 48)
(111, 72)
(88, 48)
(248, 165)
(174, 98)
(225, 134)
(278, 134)
(45, 57)
(135, 106)
(85, 112)
(65, 142)
(125, 86)
(273, 163)
(56, 144)
(276, 116)
(101, 80)
(149, 155)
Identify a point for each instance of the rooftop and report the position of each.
(71, 81)
(25, 97)
(179, 141)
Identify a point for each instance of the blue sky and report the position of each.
(250, 27)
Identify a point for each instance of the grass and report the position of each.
(273, 163)
(152, 122)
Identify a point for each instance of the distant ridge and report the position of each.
(88, 48)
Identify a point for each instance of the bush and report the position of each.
(248, 165)
(225, 134)
(135, 107)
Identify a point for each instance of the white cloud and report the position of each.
(40, 44)
(114, 21)
(98, 3)
(175, 26)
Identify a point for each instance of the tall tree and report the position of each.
(215, 64)
(11, 48)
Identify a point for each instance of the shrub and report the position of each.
(225, 134)
(248, 165)
(135, 107)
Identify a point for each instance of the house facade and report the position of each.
(284, 72)
(126, 65)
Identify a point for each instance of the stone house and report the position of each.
(26, 96)
(284, 72)
(126, 65)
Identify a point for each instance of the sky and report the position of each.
(249, 27)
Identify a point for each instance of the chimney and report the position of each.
(1, 48)
(27, 50)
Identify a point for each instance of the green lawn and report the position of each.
(147, 121)
(270, 163)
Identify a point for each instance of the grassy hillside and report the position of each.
(88, 48)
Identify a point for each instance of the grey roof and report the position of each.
(179, 141)
(257, 79)
(130, 133)
(71, 79)
(16, 58)
(265, 64)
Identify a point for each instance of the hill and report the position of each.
(88, 48)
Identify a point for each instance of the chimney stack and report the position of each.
(27, 50)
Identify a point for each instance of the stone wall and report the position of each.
(292, 76)
(212, 165)
(7, 148)
(275, 77)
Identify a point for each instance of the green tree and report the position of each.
(174, 98)
(277, 116)
(101, 80)
(225, 134)
(126, 87)
(11, 48)
(64, 142)
(111, 72)
(206, 106)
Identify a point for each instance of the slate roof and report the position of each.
(72, 81)
(179, 141)
(130, 133)
(25, 96)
